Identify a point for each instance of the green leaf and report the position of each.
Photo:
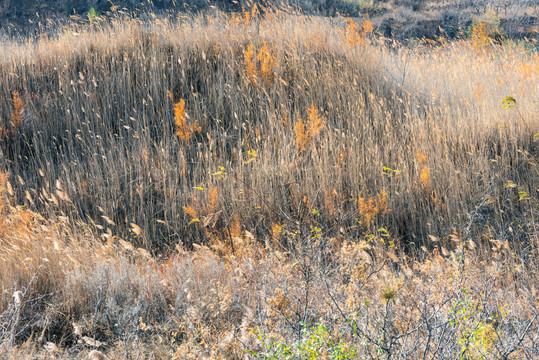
(92, 14)
(522, 195)
(509, 102)
(389, 171)
(221, 173)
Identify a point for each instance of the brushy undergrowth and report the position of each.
(67, 294)
(277, 187)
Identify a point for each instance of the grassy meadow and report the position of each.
(236, 186)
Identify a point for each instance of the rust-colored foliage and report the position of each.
(370, 207)
(424, 171)
(184, 130)
(481, 35)
(260, 68)
(355, 34)
(307, 133)
(189, 210)
(250, 64)
(245, 17)
(16, 114)
(368, 28)
(214, 192)
(267, 64)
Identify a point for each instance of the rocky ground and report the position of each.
(402, 19)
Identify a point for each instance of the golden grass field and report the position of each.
(267, 187)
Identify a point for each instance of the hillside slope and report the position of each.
(235, 187)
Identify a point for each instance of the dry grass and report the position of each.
(98, 119)
(401, 213)
(243, 299)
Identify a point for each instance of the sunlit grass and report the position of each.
(204, 186)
